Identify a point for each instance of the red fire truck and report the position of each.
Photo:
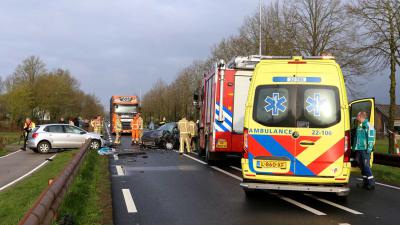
(223, 97)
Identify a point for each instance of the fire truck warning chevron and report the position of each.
(223, 98)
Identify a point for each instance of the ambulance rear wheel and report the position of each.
(251, 193)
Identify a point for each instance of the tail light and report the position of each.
(34, 135)
(347, 149)
(245, 142)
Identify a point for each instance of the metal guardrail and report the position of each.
(386, 159)
(45, 209)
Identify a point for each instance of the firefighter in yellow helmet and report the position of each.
(193, 134)
(184, 135)
(97, 125)
(118, 129)
(140, 128)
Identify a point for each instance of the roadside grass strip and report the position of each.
(88, 199)
(130, 204)
(335, 204)
(16, 200)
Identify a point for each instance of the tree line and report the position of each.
(33, 91)
(363, 35)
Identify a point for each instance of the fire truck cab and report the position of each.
(222, 103)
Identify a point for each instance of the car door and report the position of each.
(56, 136)
(75, 137)
(361, 105)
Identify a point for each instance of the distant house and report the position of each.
(382, 118)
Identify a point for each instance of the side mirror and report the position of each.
(83, 132)
(176, 131)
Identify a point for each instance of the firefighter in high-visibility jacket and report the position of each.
(140, 130)
(184, 135)
(97, 125)
(193, 134)
(29, 125)
(118, 129)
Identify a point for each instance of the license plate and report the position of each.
(222, 143)
(272, 164)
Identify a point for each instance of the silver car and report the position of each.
(61, 136)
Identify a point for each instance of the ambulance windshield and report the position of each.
(296, 106)
(125, 108)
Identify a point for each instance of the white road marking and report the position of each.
(130, 204)
(385, 185)
(335, 204)
(197, 160)
(120, 171)
(301, 205)
(12, 153)
(344, 224)
(27, 174)
(227, 173)
(116, 157)
(235, 168)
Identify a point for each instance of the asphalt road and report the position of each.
(162, 187)
(16, 165)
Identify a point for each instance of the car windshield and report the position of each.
(296, 106)
(125, 108)
(168, 127)
(73, 130)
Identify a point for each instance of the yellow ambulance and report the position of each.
(297, 128)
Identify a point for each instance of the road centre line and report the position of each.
(296, 203)
(130, 204)
(120, 171)
(334, 204)
(12, 153)
(227, 173)
(27, 174)
(385, 185)
(235, 168)
(301, 205)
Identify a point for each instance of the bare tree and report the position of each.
(381, 35)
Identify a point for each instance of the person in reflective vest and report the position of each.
(140, 128)
(193, 134)
(97, 125)
(118, 129)
(184, 135)
(29, 125)
(363, 146)
(135, 129)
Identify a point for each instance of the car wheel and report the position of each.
(95, 145)
(44, 147)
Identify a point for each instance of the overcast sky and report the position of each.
(121, 46)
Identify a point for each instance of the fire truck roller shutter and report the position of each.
(242, 84)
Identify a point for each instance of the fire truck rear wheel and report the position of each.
(209, 156)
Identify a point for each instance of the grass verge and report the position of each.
(7, 138)
(88, 200)
(384, 174)
(16, 200)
